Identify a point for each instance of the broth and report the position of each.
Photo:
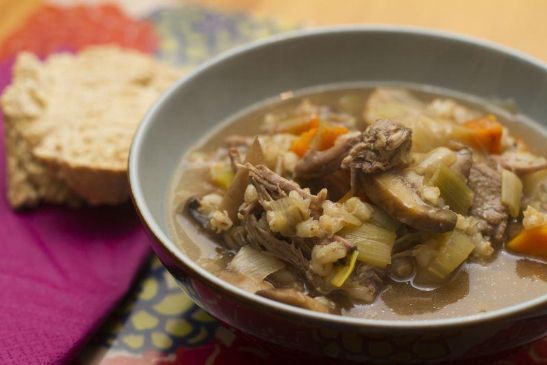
(503, 280)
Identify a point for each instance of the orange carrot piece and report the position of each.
(301, 144)
(320, 136)
(327, 135)
(487, 132)
(531, 242)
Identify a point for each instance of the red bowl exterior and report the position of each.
(356, 342)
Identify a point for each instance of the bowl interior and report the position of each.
(242, 77)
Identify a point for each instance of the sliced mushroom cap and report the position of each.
(191, 207)
(294, 297)
(244, 282)
(393, 193)
(522, 163)
(235, 193)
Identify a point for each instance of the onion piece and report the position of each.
(511, 192)
(254, 264)
(255, 153)
(535, 189)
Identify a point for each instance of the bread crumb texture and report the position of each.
(70, 120)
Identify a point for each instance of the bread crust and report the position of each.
(69, 122)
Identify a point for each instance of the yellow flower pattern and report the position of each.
(158, 316)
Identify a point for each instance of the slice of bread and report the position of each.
(70, 121)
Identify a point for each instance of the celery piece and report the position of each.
(373, 243)
(454, 190)
(343, 272)
(435, 158)
(511, 192)
(377, 254)
(254, 263)
(453, 249)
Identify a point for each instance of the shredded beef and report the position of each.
(485, 181)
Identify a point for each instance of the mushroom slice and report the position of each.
(393, 192)
(192, 208)
(294, 297)
(244, 282)
(522, 163)
(235, 193)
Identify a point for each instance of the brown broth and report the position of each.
(505, 281)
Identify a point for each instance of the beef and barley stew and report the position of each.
(372, 202)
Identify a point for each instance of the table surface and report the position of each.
(520, 24)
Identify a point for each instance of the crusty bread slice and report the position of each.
(70, 121)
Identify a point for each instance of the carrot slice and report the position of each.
(326, 136)
(301, 144)
(321, 136)
(487, 132)
(531, 242)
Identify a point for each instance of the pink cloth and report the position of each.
(61, 271)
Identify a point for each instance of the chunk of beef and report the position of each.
(259, 236)
(271, 186)
(336, 183)
(384, 145)
(485, 181)
(316, 164)
(364, 283)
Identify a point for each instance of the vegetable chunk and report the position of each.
(531, 242)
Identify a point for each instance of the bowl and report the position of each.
(292, 61)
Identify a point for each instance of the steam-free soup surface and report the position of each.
(358, 252)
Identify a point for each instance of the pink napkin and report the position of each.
(61, 271)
